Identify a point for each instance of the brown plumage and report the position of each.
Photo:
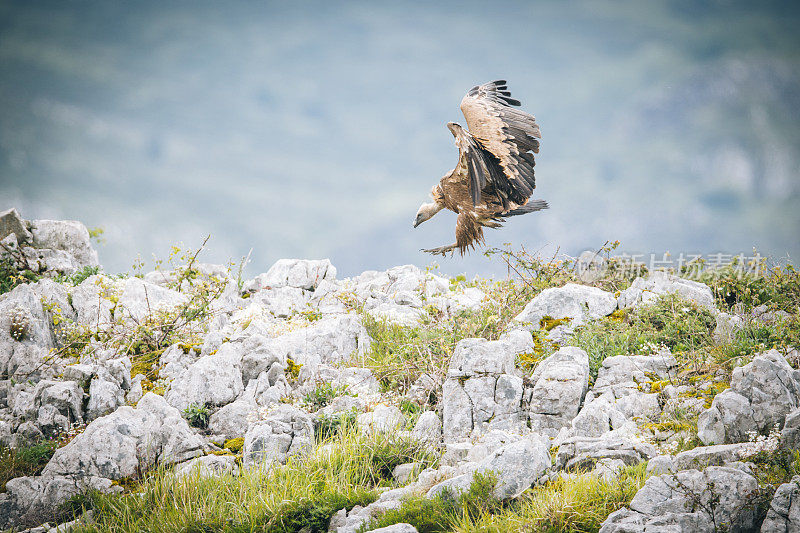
(494, 177)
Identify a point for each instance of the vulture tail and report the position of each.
(530, 207)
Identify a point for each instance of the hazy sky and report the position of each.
(315, 129)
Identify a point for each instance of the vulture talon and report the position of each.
(494, 177)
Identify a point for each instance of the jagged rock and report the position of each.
(783, 515)
(22, 358)
(578, 453)
(207, 466)
(762, 393)
(231, 420)
(402, 315)
(578, 303)
(560, 383)
(341, 405)
(120, 445)
(632, 371)
(285, 431)
(104, 397)
(425, 390)
(715, 499)
(128, 441)
(283, 302)
(68, 236)
(517, 466)
(646, 291)
(141, 299)
(92, 302)
(12, 222)
(383, 419)
(428, 428)
(703, 456)
(65, 396)
(32, 500)
(213, 379)
(300, 273)
(332, 339)
(482, 390)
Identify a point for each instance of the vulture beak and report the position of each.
(416, 223)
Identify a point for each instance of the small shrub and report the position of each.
(322, 395)
(197, 415)
(10, 276)
(20, 324)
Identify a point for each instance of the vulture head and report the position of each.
(426, 211)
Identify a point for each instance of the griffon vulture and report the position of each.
(494, 176)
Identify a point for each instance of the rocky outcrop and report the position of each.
(761, 395)
(571, 304)
(560, 383)
(285, 431)
(482, 389)
(711, 500)
(783, 515)
(645, 291)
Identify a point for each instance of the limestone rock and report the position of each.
(141, 299)
(783, 515)
(214, 379)
(715, 499)
(646, 291)
(579, 303)
(65, 235)
(383, 419)
(560, 383)
(300, 273)
(207, 466)
(285, 431)
(762, 393)
(12, 222)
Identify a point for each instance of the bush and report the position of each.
(197, 415)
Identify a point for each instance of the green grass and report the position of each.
(322, 395)
(671, 322)
(10, 277)
(24, 461)
(575, 505)
(304, 493)
(442, 513)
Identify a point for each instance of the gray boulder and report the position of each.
(213, 379)
(715, 499)
(382, 419)
(560, 383)
(127, 442)
(582, 453)
(12, 222)
(141, 299)
(579, 303)
(783, 515)
(396, 528)
(68, 236)
(762, 393)
(285, 431)
(516, 465)
(300, 273)
(231, 419)
(428, 428)
(658, 283)
(482, 390)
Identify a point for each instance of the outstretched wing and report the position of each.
(482, 167)
(509, 134)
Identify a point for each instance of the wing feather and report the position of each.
(509, 134)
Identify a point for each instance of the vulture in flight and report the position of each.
(493, 179)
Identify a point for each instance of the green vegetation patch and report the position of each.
(304, 493)
(24, 461)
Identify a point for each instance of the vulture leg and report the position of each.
(442, 250)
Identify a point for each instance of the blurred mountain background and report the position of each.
(316, 129)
